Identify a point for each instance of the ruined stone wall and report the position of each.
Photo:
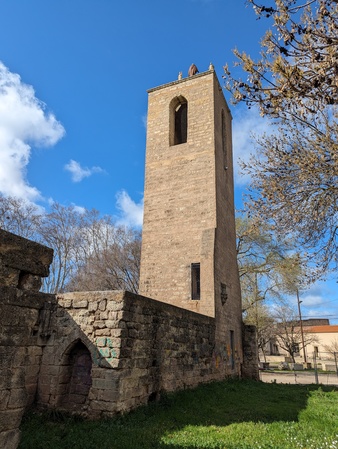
(138, 347)
(250, 353)
(96, 353)
(23, 328)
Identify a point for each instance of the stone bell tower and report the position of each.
(189, 246)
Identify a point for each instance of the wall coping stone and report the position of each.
(24, 298)
(24, 255)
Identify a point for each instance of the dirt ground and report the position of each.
(298, 377)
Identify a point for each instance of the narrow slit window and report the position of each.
(224, 142)
(195, 281)
(232, 349)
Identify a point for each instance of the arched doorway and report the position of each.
(75, 379)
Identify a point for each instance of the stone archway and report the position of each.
(75, 377)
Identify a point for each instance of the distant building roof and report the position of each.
(321, 329)
(316, 322)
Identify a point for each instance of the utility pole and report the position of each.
(301, 324)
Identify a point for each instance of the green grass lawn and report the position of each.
(222, 415)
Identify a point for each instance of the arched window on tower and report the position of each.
(178, 121)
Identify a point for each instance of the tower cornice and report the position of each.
(183, 80)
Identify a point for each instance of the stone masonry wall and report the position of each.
(179, 200)
(138, 347)
(24, 316)
(96, 353)
(250, 353)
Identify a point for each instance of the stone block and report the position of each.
(10, 419)
(115, 306)
(24, 255)
(129, 383)
(103, 305)
(100, 341)
(17, 376)
(17, 398)
(92, 306)
(111, 362)
(113, 315)
(10, 439)
(32, 371)
(102, 384)
(142, 363)
(112, 324)
(52, 370)
(31, 388)
(104, 352)
(98, 373)
(99, 324)
(44, 381)
(6, 356)
(66, 303)
(48, 358)
(4, 397)
(133, 333)
(122, 333)
(43, 396)
(103, 406)
(126, 316)
(34, 351)
(9, 277)
(80, 303)
(101, 332)
(29, 281)
(110, 395)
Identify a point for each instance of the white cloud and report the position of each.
(145, 120)
(79, 209)
(319, 301)
(131, 212)
(246, 124)
(312, 300)
(79, 173)
(23, 122)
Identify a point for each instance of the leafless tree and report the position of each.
(61, 230)
(260, 316)
(287, 331)
(295, 83)
(90, 252)
(332, 348)
(19, 217)
(110, 258)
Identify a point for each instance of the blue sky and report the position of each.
(76, 74)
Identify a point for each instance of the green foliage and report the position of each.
(268, 264)
(221, 415)
(269, 268)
